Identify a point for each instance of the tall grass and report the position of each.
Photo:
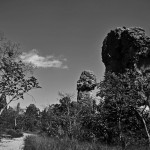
(45, 143)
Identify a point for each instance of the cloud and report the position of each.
(44, 62)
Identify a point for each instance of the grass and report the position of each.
(45, 143)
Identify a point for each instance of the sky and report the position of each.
(62, 38)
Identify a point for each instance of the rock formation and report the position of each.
(85, 85)
(126, 48)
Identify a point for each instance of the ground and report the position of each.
(13, 144)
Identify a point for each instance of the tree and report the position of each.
(51, 120)
(66, 112)
(32, 117)
(61, 119)
(12, 118)
(7, 119)
(126, 97)
(15, 80)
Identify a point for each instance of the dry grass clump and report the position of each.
(45, 143)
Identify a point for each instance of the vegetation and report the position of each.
(126, 98)
(31, 118)
(13, 74)
(46, 143)
(15, 80)
(14, 133)
(120, 120)
(43, 143)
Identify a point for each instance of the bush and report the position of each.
(14, 133)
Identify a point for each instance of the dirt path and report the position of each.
(13, 144)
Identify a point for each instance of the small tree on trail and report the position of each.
(32, 117)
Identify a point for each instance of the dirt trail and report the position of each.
(13, 144)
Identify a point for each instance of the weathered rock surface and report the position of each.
(126, 48)
(85, 85)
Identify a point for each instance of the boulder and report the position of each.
(126, 48)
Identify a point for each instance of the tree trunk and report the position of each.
(145, 126)
(70, 125)
(15, 121)
(146, 129)
(1, 111)
(122, 140)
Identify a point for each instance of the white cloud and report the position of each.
(40, 61)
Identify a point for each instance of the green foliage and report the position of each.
(70, 119)
(125, 98)
(17, 118)
(31, 117)
(14, 133)
(12, 118)
(14, 80)
(56, 118)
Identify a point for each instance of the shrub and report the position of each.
(14, 133)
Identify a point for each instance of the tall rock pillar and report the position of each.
(85, 85)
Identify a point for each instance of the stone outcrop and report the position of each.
(126, 48)
(85, 85)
